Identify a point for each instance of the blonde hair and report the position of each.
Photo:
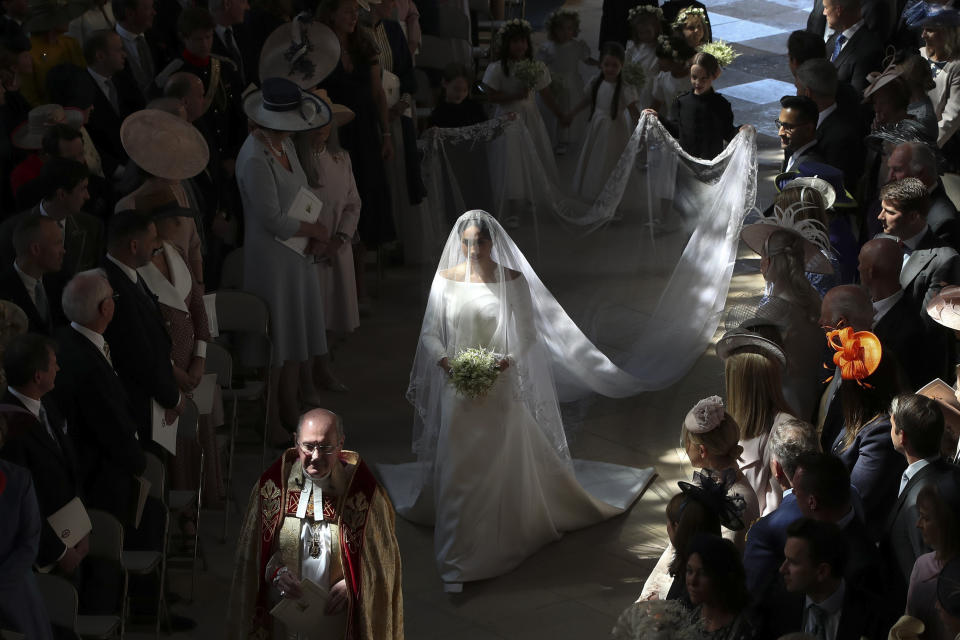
(811, 204)
(784, 250)
(721, 443)
(754, 392)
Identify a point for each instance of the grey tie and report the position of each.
(112, 95)
(42, 416)
(234, 51)
(146, 62)
(42, 304)
(818, 622)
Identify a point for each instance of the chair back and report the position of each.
(60, 598)
(157, 476)
(220, 362)
(106, 539)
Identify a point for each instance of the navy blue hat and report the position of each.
(924, 14)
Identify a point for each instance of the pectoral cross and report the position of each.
(316, 541)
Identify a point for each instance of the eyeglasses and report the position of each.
(787, 126)
(310, 447)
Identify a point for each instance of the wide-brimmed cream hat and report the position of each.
(945, 307)
(46, 15)
(29, 135)
(824, 188)
(281, 105)
(755, 235)
(304, 51)
(880, 79)
(164, 145)
(341, 114)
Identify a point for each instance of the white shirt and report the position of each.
(848, 34)
(881, 307)
(825, 114)
(29, 282)
(30, 404)
(833, 605)
(101, 81)
(129, 43)
(46, 214)
(912, 243)
(94, 337)
(129, 271)
(315, 569)
(911, 471)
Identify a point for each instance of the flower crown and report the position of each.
(642, 10)
(561, 14)
(663, 45)
(705, 416)
(518, 25)
(690, 11)
(720, 50)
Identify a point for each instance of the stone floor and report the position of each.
(576, 587)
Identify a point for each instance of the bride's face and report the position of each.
(476, 244)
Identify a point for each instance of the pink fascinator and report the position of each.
(705, 416)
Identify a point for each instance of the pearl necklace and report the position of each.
(273, 147)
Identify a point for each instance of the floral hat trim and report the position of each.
(641, 10)
(690, 11)
(857, 353)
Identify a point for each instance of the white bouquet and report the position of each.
(634, 74)
(529, 72)
(656, 620)
(473, 372)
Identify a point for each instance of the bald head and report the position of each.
(321, 416)
(319, 441)
(187, 88)
(846, 306)
(881, 260)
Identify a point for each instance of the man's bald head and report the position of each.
(881, 260)
(319, 441)
(846, 306)
(188, 88)
(321, 416)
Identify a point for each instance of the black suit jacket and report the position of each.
(140, 348)
(840, 143)
(920, 348)
(861, 54)
(102, 426)
(901, 543)
(942, 217)
(246, 61)
(104, 123)
(810, 154)
(51, 461)
(12, 289)
(858, 618)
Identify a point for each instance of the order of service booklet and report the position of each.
(306, 614)
(305, 207)
(71, 522)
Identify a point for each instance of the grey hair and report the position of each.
(853, 303)
(83, 294)
(819, 76)
(791, 438)
(338, 422)
(923, 161)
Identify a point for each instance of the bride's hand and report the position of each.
(444, 364)
(504, 363)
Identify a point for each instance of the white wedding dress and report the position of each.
(494, 474)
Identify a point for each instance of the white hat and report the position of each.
(281, 105)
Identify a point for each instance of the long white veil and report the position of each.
(643, 271)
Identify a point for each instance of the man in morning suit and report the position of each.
(37, 439)
(928, 265)
(137, 335)
(38, 241)
(839, 133)
(917, 160)
(797, 130)
(763, 553)
(823, 603)
(134, 18)
(64, 192)
(102, 423)
(916, 430)
(921, 347)
(230, 39)
(854, 49)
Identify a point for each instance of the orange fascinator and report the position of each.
(857, 353)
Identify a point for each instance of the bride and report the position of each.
(494, 474)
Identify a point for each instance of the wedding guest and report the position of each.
(99, 17)
(916, 431)
(134, 19)
(409, 18)
(797, 129)
(752, 376)
(270, 175)
(717, 589)
(29, 136)
(864, 444)
(938, 506)
(231, 39)
(38, 242)
(823, 604)
(941, 38)
(854, 48)
(49, 46)
(918, 160)
(330, 174)
(456, 107)
(948, 596)
(709, 436)
(702, 118)
(804, 45)
(915, 71)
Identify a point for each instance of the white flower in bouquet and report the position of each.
(529, 72)
(656, 620)
(634, 74)
(474, 371)
(720, 50)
